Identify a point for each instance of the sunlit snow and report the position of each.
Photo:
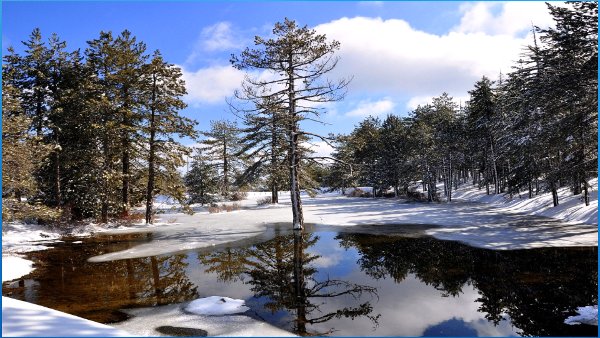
(216, 306)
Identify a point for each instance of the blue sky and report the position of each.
(400, 54)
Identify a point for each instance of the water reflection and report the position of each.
(535, 288)
(66, 281)
(280, 272)
(332, 283)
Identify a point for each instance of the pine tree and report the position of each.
(21, 152)
(264, 145)
(298, 59)
(35, 83)
(570, 59)
(202, 180)
(482, 120)
(221, 145)
(129, 57)
(162, 92)
(100, 58)
(366, 147)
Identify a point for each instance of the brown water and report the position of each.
(327, 282)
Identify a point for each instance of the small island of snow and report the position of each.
(587, 315)
(216, 306)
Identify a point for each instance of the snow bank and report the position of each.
(174, 315)
(22, 319)
(482, 225)
(571, 208)
(14, 267)
(216, 306)
(20, 237)
(587, 315)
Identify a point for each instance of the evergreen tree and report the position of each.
(35, 83)
(264, 145)
(341, 173)
(483, 122)
(129, 57)
(570, 58)
(202, 180)
(101, 59)
(298, 59)
(221, 146)
(162, 92)
(366, 146)
(21, 152)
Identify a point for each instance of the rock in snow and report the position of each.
(587, 315)
(216, 306)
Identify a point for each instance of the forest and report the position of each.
(94, 134)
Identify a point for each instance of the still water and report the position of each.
(327, 282)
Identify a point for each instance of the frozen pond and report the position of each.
(329, 281)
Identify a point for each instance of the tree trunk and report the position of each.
(106, 168)
(130, 278)
(225, 190)
(125, 173)
(274, 194)
(150, 187)
(450, 179)
(297, 216)
(39, 115)
(57, 192)
(156, 280)
(554, 193)
(586, 196)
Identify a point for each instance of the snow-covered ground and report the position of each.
(497, 223)
(22, 319)
(215, 319)
(571, 208)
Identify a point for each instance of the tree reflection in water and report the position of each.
(535, 287)
(280, 270)
(64, 280)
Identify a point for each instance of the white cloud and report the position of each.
(389, 57)
(509, 18)
(321, 148)
(212, 84)
(328, 260)
(216, 38)
(220, 37)
(416, 101)
(377, 108)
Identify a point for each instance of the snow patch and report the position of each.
(14, 267)
(216, 306)
(22, 319)
(173, 315)
(587, 315)
(570, 208)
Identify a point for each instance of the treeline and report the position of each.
(92, 133)
(530, 131)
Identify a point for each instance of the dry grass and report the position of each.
(239, 196)
(223, 207)
(264, 201)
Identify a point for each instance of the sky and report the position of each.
(399, 54)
